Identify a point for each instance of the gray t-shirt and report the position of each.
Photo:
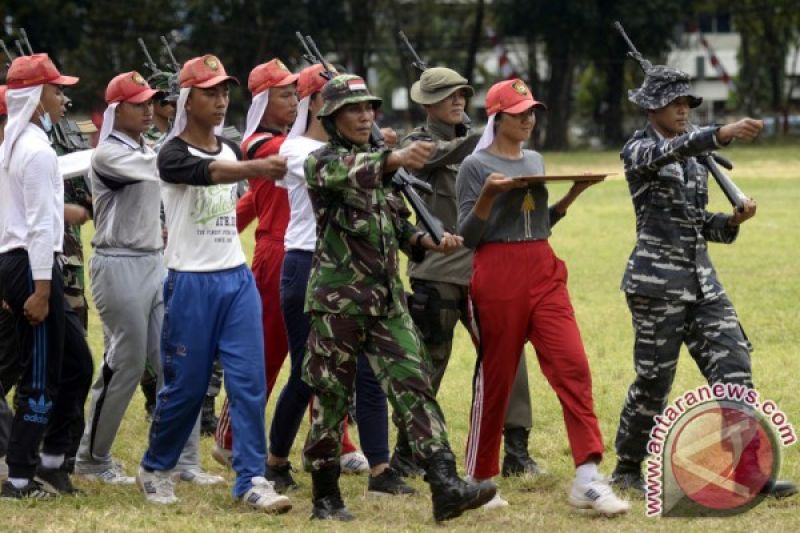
(126, 196)
(517, 215)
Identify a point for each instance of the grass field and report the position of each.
(760, 272)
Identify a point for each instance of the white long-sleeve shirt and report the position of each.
(32, 201)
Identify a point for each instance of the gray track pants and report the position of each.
(128, 294)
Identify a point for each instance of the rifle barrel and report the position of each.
(25, 40)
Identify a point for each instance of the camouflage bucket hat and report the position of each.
(436, 84)
(661, 86)
(345, 89)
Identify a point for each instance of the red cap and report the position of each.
(510, 96)
(310, 80)
(3, 108)
(38, 69)
(129, 87)
(204, 72)
(273, 73)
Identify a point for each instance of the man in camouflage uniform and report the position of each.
(440, 283)
(357, 305)
(670, 284)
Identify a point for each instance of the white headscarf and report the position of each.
(256, 113)
(488, 135)
(21, 104)
(108, 122)
(179, 124)
(301, 122)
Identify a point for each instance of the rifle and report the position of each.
(710, 159)
(149, 64)
(175, 65)
(402, 180)
(418, 63)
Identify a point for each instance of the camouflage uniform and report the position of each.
(355, 295)
(76, 191)
(670, 284)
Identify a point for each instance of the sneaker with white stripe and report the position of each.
(113, 475)
(157, 486)
(263, 497)
(599, 496)
(354, 463)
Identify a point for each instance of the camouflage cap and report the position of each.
(436, 84)
(662, 85)
(159, 80)
(345, 89)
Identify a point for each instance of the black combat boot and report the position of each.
(208, 420)
(403, 459)
(517, 461)
(450, 494)
(327, 499)
(628, 476)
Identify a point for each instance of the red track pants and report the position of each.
(519, 292)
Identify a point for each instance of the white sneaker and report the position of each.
(354, 463)
(157, 486)
(497, 502)
(113, 475)
(597, 495)
(262, 496)
(222, 456)
(197, 476)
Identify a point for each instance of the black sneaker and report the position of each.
(281, 477)
(56, 480)
(33, 490)
(388, 483)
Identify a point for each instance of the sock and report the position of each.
(18, 482)
(51, 461)
(585, 473)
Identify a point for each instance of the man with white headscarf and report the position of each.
(211, 304)
(54, 361)
(128, 253)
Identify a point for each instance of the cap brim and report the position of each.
(64, 80)
(216, 80)
(288, 80)
(524, 106)
(427, 98)
(144, 96)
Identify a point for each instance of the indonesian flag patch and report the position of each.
(356, 85)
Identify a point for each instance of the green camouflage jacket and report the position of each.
(361, 224)
(76, 192)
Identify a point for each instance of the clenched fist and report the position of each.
(273, 167)
(415, 155)
(746, 129)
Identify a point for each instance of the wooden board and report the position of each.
(563, 177)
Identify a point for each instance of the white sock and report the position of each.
(586, 473)
(51, 461)
(18, 482)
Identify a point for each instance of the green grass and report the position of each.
(760, 272)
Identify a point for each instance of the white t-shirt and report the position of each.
(32, 201)
(200, 215)
(301, 233)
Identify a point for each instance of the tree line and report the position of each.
(584, 76)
